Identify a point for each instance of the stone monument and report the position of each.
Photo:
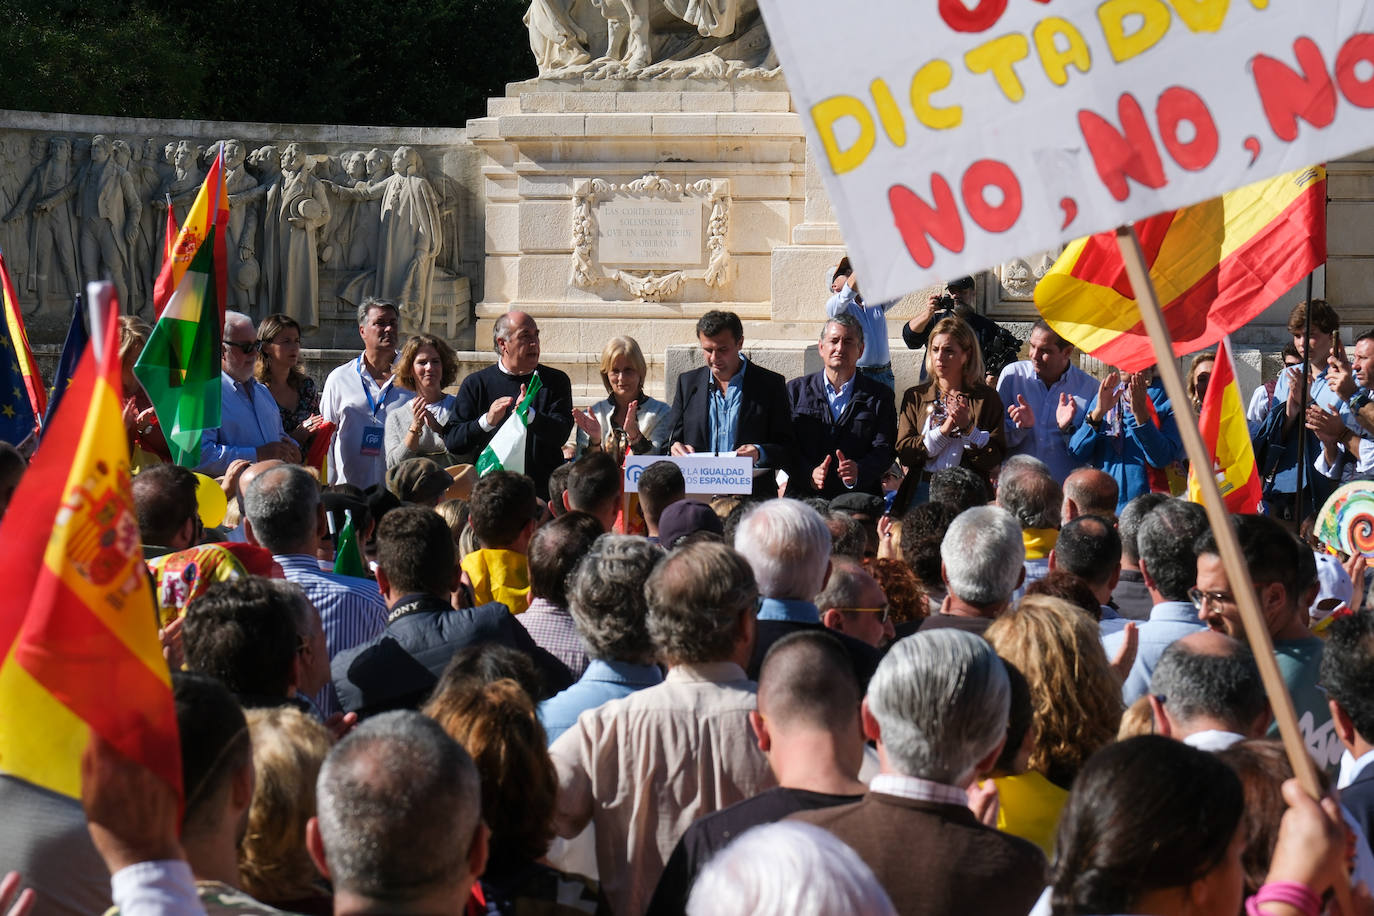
(318, 218)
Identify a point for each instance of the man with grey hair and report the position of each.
(606, 599)
(981, 565)
(853, 603)
(1034, 498)
(1206, 692)
(1168, 562)
(846, 422)
(937, 708)
(644, 767)
(358, 395)
(487, 397)
(283, 514)
(399, 828)
(787, 544)
(250, 421)
(1131, 597)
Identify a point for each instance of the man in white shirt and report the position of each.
(1046, 399)
(644, 767)
(358, 395)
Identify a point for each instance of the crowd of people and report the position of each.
(961, 651)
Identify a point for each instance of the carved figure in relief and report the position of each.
(241, 240)
(411, 235)
(52, 233)
(181, 186)
(347, 213)
(107, 210)
(555, 38)
(145, 257)
(22, 160)
(297, 207)
(368, 228)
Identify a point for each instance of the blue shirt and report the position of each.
(872, 318)
(788, 609)
(840, 399)
(1044, 440)
(1169, 621)
(725, 409)
(1286, 472)
(602, 682)
(249, 417)
(351, 609)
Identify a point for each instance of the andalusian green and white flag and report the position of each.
(506, 450)
(180, 365)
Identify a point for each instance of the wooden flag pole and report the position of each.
(1236, 571)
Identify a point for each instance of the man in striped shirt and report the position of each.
(284, 515)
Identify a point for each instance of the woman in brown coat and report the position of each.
(952, 418)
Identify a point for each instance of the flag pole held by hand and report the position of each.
(1236, 570)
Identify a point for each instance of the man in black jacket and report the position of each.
(487, 397)
(731, 406)
(846, 423)
(415, 571)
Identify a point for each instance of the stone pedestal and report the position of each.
(553, 160)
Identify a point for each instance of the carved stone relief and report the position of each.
(673, 232)
(305, 227)
(650, 39)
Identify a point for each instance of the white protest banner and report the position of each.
(705, 475)
(955, 134)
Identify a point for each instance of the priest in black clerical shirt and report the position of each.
(486, 398)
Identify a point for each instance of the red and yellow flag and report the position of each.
(1215, 266)
(209, 209)
(1227, 437)
(79, 648)
(24, 399)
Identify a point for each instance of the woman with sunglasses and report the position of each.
(278, 368)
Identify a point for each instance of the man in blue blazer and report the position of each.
(732, 406)
(846, 423)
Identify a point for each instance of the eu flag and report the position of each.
(22, 397)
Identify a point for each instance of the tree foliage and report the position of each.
(408, 62)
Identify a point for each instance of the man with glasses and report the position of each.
(486, 398)
(1285, 576)
(853, 603)
(250, 422)
(358, 396)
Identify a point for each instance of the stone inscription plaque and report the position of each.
(649, 232)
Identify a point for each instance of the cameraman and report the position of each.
(999, 345)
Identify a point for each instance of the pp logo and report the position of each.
(632, 473)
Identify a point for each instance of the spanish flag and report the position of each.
(1215, 265)
(1227, 437)
(211, 208)
(23, 399)
(78, 627)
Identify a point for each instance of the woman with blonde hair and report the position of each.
(427, 365)
(628, 420)
(951, 419)
(274, 866)
(1076, 699)
(279, 369)
(496, 723)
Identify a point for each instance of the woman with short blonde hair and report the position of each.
(628, 420)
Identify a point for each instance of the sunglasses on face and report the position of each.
(245, 347)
